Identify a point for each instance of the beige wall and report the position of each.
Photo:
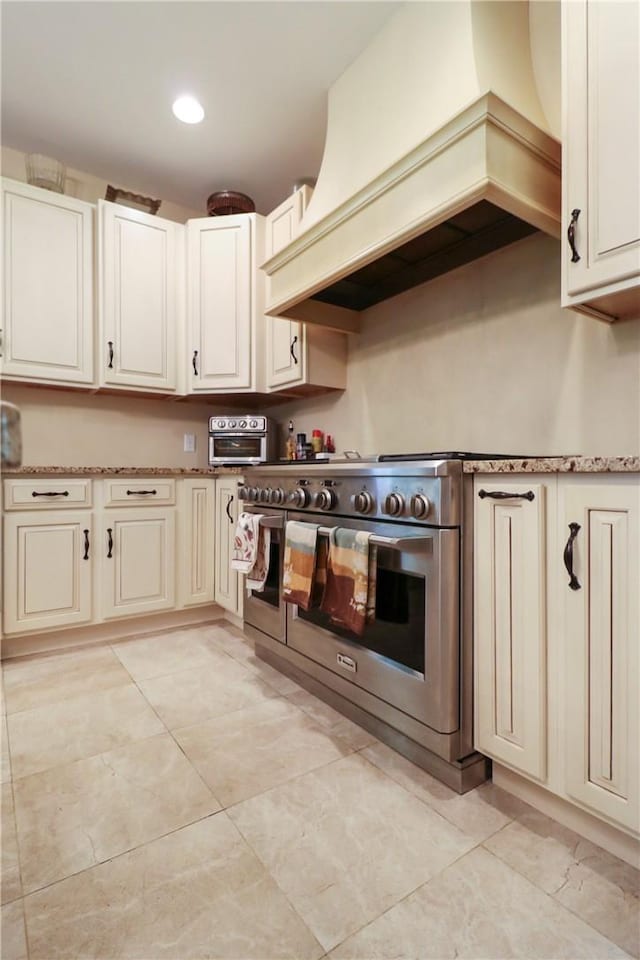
(484, 358)
(71, 429)
(85, 186)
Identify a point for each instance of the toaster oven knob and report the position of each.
(326, 499)
(394, 504)
(420, 506)
(232, 424)
(277, 495)
(363, 502)
(222, 424)
(253, 424)
(242, 424)
(300, 497)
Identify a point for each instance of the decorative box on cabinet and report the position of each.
(300, 358)
(227, 589)
(601, 157)
(225, 304)
(48, 311)
(557, 622)
(140, 276)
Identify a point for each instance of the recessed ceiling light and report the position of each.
(188, 110)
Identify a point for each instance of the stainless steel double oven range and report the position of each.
(408, 679)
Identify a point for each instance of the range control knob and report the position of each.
(300, 497)
(420, 506)
(250, 493)
(277, 495)
(363, 502)
(265, 495)
(394, 504)
(242, 424)
(243, 493)
(326, 499)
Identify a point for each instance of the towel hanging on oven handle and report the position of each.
(396, 543)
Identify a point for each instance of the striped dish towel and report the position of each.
(350, 592)
(299, 562)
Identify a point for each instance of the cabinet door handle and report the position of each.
(50, 493)
(229, 502)
(110, 345)
(86, 544)
(571, 235)
(110, 542)
(293, 354)
(574, 583)
(503, 495)
(135, 493)
(194, 361)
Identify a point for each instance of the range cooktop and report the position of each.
(406, 457)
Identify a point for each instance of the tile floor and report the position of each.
(175, 797)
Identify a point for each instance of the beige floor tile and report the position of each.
(478, 907)
(194, 696)
(479, 813)
(256, 748)
(232, 641)
(5, 761)
(83, 727)
(345, 843)
(279, 681)
(10, 869)
(36, 681)
(198, 893)
(14, 941)
(80, 814)
(592, 883)
(167, 653)
(332, 721)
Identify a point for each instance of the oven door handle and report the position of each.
(407, 544)
(273, 523)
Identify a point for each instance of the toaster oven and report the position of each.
(241, 440)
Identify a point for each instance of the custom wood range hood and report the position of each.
(436, 153)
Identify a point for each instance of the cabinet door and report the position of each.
(602, 633)
(138, 561)
(48, 286)
(282, 223)
(219, 303)
(510, 624)
(197, 537)
(286, 352)
(138, 298)
(47, 570)
(601, 142)
(227, 591)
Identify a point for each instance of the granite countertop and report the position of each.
(121, 471)
(556, 465)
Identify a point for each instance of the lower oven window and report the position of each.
(271, 592)
(398, 630)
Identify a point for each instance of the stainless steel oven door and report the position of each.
(409, 656)
(264, 609)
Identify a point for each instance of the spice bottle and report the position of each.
(291, 443)
(300, 446)
(330, 446)
(316, 441)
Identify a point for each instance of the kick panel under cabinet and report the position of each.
(557, 622)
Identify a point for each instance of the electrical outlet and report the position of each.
(189, 443)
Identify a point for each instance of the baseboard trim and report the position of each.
(615, 841)
(26, 644)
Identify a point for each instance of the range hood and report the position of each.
(437, 152)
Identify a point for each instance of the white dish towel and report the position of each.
(251, 549)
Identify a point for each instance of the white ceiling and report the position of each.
(92, 84)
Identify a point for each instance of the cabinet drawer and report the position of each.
(155, 491)
(39, 493)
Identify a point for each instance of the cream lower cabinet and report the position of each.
(138, 564)
(602, 648)
(48, 566)
(227, 587)
(48, 312)
(557, 630)
(196, 541)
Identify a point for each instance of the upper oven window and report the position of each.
(236, 447)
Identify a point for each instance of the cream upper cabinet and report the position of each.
(510, 623)
(48, 562)
(227, 588)
(138, 561)
(225, 301)
(601, 616)
(48, 312)
(299, 356)
(196, 539)
(139, 298)
(601, 156)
